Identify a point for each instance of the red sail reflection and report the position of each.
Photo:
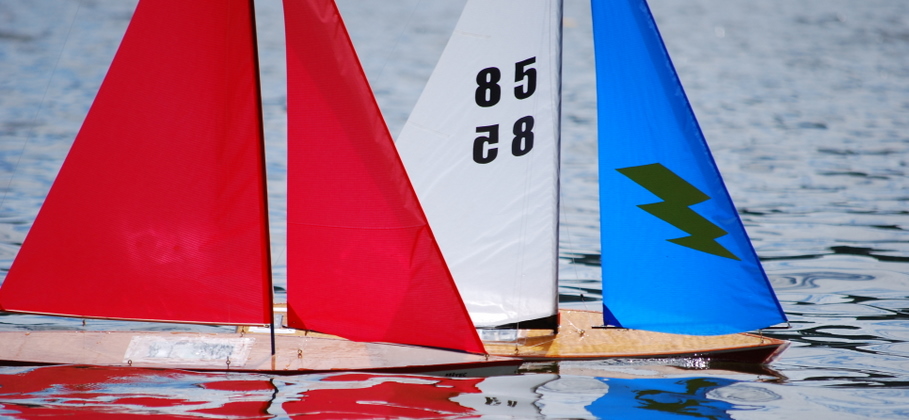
(97, 393)
(345, 396)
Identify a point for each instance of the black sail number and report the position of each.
(522, 72)
(484, 150)
(523, 136)
(488, 94)
(488, 91)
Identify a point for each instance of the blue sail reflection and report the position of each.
(664, 398)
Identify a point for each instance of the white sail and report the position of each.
(482, 151)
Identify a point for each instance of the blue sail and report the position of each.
(676, 257)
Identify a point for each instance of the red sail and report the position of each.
(362, 262)
(159, 210)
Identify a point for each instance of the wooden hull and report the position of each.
(238, 352)
(299, 352)
(580, 338)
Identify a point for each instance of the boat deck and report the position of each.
(581, 336)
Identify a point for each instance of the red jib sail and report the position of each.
(362, 261)
(159, 210)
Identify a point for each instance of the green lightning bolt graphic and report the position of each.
(677, 195)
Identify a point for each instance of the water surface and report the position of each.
(805, 106)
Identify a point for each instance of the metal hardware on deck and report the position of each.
(129, 362)
(608, 327)
(299, 353)
(272, 330)
(545, 323)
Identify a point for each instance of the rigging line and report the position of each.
(394, 47)
(278, 258)
(553, 55)
(260, 115)
(32, 131)
(563, 223)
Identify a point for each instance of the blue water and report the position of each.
(804, 104)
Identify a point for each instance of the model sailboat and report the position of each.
(680, 277)
(159, 212)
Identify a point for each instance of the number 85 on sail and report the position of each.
(481, 148)
(488, 93)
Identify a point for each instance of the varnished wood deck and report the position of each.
(578, 338)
